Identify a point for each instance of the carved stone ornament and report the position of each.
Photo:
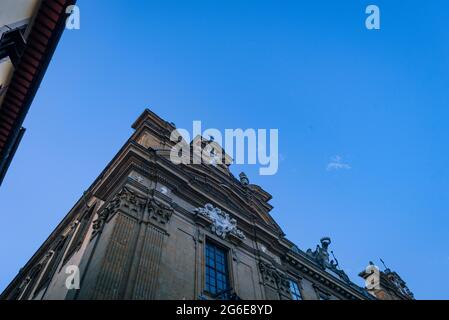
(274, 277)
(322, 258)
(397, 282)
(222, 224)
(159, 212)
(125, 199)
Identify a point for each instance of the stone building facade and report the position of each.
(150, 229)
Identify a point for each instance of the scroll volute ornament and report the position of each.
(124, 200)
(159, 211)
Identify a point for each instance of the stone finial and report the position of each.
(244, 179)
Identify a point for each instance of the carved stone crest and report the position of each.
(221, 223)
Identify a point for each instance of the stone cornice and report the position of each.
(153, 166)
(308, 267)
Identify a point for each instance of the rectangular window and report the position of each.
(216, 269)
(294, 291)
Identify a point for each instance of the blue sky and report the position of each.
(379, 100)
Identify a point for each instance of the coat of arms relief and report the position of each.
(222, 224)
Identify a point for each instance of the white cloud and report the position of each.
(337, 163)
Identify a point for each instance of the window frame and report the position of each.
(225, 272)
(295, 295)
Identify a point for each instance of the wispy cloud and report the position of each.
(337, 163)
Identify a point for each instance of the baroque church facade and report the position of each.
(149, 229)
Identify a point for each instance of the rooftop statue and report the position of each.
(322, 258)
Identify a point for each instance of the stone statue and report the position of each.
(244, 179)
(322, 258)
(321, 254)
